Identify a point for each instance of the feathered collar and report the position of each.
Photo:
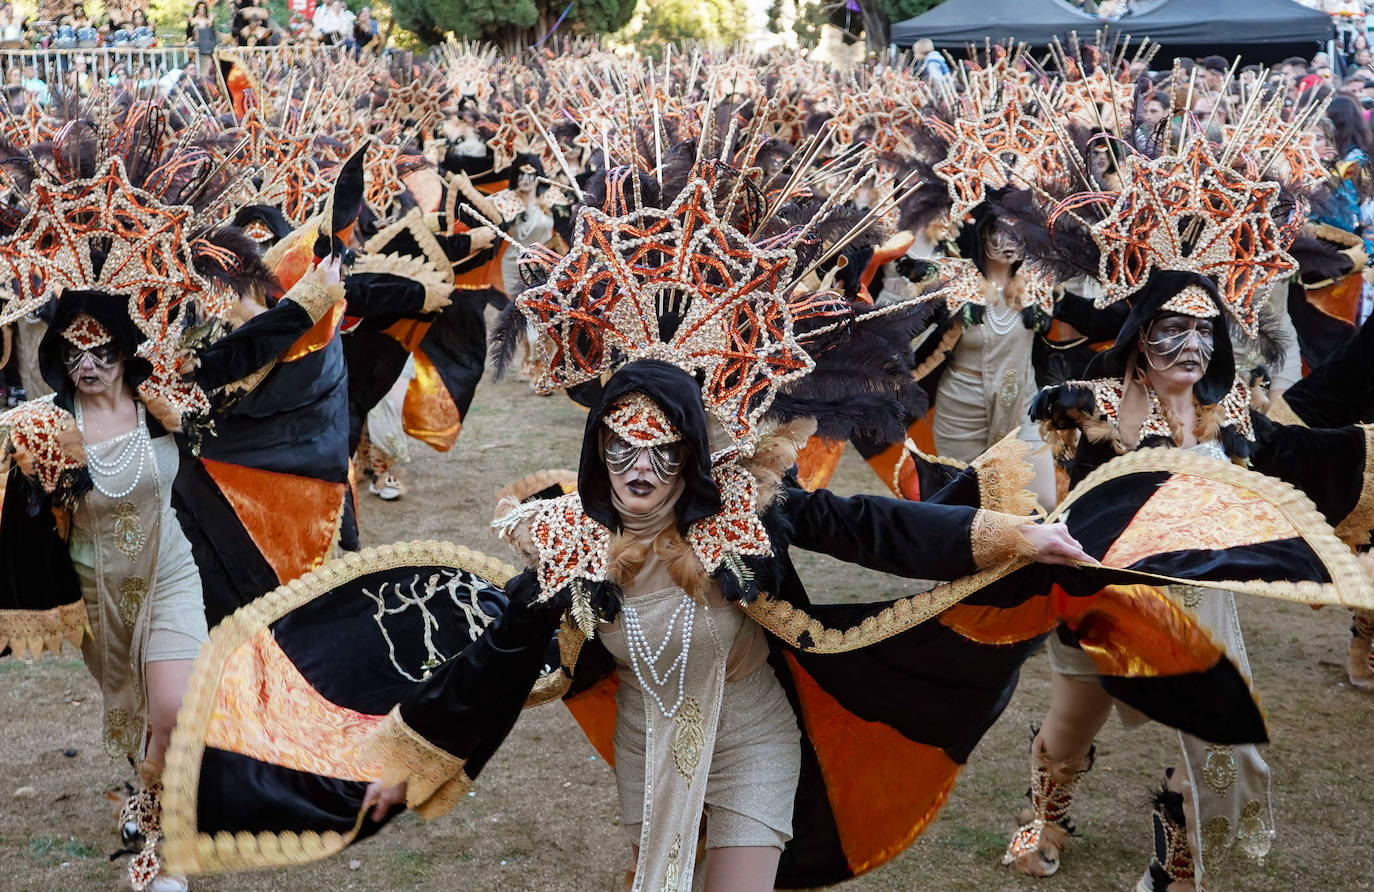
(1093, 408)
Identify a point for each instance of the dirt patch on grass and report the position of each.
(544, 813)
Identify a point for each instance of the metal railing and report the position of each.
(100, 62)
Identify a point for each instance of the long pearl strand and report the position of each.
(644, 656)
(136, 445)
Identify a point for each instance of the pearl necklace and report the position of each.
(136, 445)
(1001, 320)
(644, 656)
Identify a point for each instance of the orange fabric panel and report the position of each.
(890, 250)
(1339, 300)
(816, 462)
(429, 414)
(319, 335)
(265, 709)
(292, 520)
(297, 257)
(409, 332)
(1168, 521)
(238, 82)
(893, 462)
(596, 712)
(1133, 631)
(884, 788)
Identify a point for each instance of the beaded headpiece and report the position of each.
(1191, 301)
(130, 210)
(1190, 210)
(639, 421)
(86, 333)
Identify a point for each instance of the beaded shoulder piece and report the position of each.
(1099, 416)
(30, 435)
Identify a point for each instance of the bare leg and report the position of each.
(1060, 756)
(741, 868)
(1079, 707)
(166, 681)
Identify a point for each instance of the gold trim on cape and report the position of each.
(188, 851)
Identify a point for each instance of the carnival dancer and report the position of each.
(93, 550)
(675, 554)
(1170, 379)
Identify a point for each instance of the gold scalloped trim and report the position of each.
(1005, 475)
(31, 632)
(996, 538)
(791, 624)
(405, 266)
(526, 486)
(549, 688)
(434, 778)
(1349, 586)
(1355, 527)
(413, 222)
(942, 351)
(188, 851)
(315, 297)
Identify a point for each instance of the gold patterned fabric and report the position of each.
(137, 575)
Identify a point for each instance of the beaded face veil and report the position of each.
(637, 425)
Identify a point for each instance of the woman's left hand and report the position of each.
(1054, 545)
(382, 799)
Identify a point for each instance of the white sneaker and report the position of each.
(165, 883)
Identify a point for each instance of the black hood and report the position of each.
(970, 238)
(111, 311)
(679, 395)
(1145, 304)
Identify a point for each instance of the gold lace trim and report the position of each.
(435, 779)
(1349, 585)
(185, 849)
(413, 223)
(1355, 527)
(946, 346)
(996, 538)
(30, 632)
(1004, 475)
(315, 297)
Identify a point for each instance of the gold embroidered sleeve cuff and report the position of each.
(435, 780)
(315, 297)
(996, 538)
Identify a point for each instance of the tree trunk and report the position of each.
(875, 27)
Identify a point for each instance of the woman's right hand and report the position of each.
(383, 799)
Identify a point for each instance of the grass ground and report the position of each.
(544, 815)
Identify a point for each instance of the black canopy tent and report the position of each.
(1256, 30)
(956, 23)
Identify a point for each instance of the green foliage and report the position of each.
(679, 22)
(52, 850)
(508, 22)
(901, 10)
(807, 26)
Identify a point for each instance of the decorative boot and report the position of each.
(1171, 868)
(140, 830)
(1360, 663)
(1045, 825)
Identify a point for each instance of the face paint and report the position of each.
(1175, 339)
(664, 459)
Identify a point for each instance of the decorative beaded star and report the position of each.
(149, 253)
(1000, 148)
(603, 303)
(1186, 211)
